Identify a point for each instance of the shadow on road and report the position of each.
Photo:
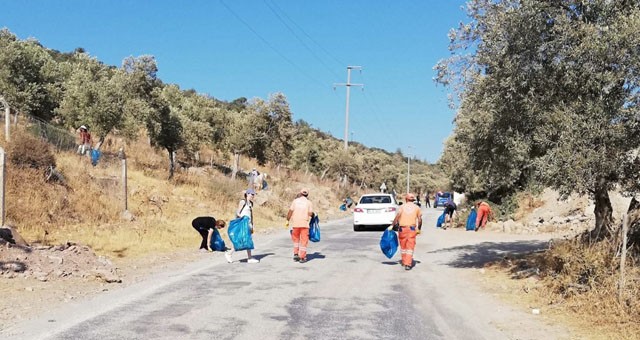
(314, 256)
(261, 256)
(478, 255)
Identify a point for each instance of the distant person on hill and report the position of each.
(245, 208)
(484, 213)
(252, 176)
(449, 211)
(427, 202)
(205, 226)
(383, 187)
(85, 140)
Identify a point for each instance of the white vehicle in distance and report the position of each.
(374, 210)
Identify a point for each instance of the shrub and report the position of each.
(27, 151)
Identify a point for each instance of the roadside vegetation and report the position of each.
(547, 96)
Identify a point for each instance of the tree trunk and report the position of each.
(172, 165)
(236, 164)
(603, 212)
(634, 222)
(100, 141)
(324, 173)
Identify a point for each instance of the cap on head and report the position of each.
(304, 191)
(410, 197)
(250, 192)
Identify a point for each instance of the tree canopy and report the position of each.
(547, 93)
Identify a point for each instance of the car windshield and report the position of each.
(375, 199)
(445, 195)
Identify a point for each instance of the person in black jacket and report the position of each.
(449, 210)
(205, 226)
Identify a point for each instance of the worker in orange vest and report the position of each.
(299, 214)
(484, 212)
(409, 221)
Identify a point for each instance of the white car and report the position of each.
(374, 210)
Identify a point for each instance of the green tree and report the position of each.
(550, 93)
(28, 77)
(280, 130)
(164, 126)
(93, 96)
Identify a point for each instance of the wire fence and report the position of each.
(60, 138)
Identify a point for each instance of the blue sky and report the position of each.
(232, 48)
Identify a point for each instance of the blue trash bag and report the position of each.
(95, 156)
(265, 185)
(471, 220)
(389, 243)
(314, 229)
(217, 243)
(240, 233)
(343, 207)
(441, 220)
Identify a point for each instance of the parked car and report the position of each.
(374, 210)
(442, 198)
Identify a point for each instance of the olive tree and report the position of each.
(547, 92)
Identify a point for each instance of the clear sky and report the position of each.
(234, 48)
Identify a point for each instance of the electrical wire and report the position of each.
(299, 69)
(300, 39)
(308, 36)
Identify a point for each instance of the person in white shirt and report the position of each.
(245, 208)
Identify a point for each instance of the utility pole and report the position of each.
(348, 84)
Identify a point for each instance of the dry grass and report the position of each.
(578, 284)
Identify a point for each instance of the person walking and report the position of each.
(245, 208)
(383, 188)
(427, 202)
(484, 213)
(85, 140)
(409, 220)
(299, 214)
(205, 226)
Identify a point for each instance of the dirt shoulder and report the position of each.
(61, 274)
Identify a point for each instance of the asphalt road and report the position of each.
(347, 290)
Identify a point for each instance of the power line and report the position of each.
(308, 36)
(376, 113)
(300, 39)
(321, 84)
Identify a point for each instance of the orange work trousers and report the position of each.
(300, 237)
(483, 215)
(407, 244)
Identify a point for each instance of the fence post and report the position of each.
(123, 156)
(623, 256)
(3, 172)
(7, 118)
